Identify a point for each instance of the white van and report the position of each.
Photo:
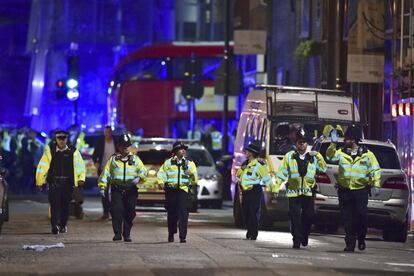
(271, 115)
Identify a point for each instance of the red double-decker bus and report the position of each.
(146, 90)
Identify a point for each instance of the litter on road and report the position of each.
(41, 247)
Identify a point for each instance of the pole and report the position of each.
(192, 117)
(227, 76)
(75, 109)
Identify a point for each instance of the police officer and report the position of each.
(62, 168)
(216, 142)
(358, 169)
(122, 174)
(251, 175)
(178, 174)
(298, 169)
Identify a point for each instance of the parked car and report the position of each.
(388, 211)
(154, 151)
(210, 181)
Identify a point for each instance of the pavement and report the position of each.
(214, 247)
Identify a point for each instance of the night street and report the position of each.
(207, 137)
(213, 246)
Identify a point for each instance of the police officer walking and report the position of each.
(358, 170)
(298, 169)
(62, 168)
(252, 175)
(122, 174)
(178, 174)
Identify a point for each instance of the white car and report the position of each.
(210, 181)
(387, 211)
(154, 151)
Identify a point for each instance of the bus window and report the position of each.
(208, 67)
(147, 69)
(264, 129)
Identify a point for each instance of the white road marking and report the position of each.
(303, 257)
(400, 264)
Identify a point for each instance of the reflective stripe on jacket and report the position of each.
(216, 138)
(355, 173)
(173, 175)
(255, 173)
(289, 171)
(197, 135)
(44, 166)
(122, 173)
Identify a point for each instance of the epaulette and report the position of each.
(262, 161)
(189, 159)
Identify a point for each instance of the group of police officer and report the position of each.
(358, 172)
(62, 168)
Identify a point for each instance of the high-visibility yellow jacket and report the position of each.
(255, 173)
(173, 175)
(355, 173)
(288, 170)
(197, 135)
(216, 138)
(122, 172)
(44, 165)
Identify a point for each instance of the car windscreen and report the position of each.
(387, 157)
(200, 157)
(154, 157)
(283, 134)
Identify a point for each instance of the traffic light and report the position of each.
(72, 82)
(193, 86)
(72, 89)
(60, 89)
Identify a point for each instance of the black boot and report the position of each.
(55, 230)
(117, 237)
(361, 245)
(305, 241)
(170, 237)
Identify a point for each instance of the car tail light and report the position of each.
(322, 178)
(397, 183)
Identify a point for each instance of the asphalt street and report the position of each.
(214, 247)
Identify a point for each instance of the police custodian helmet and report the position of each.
(179, 145)
(301, 135)
(255, 146)
(124, 140)
(353, 132)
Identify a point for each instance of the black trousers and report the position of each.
(301, 213)
(60, 195)
(251, 210)
(123, 204)
(354, 209)
(176, 204)
(106, 204)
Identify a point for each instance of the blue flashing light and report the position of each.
(71, 83)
